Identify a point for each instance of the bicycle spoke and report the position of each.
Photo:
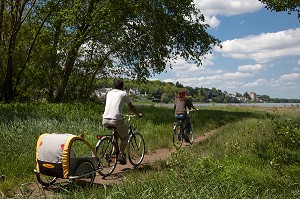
(106, 153)
(136, 149)
(177, 136)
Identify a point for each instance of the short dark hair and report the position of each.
(118, 84)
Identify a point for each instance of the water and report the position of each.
(244, 104)
(251, 104)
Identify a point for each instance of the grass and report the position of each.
(253, 155)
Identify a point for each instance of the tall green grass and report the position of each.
(245, 159)
(237, 162)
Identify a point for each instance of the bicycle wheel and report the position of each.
(107, 156)
(85, 172)
(177, 136)
(191, 135)
(45, 180)
(136, 149)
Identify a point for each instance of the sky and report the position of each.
(261, 51)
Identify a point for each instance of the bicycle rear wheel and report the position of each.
(107, 156)
(177, 136)
(136, 149)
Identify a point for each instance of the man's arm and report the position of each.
(133, 109)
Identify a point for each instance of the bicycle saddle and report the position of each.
(111, 127)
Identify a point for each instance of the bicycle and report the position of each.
(179, 132)
(107, 149)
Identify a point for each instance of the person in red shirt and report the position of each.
(181, 105)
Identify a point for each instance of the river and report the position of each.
(244, 104)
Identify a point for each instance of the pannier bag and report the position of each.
(57, 154)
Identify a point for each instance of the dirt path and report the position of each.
(37, 191)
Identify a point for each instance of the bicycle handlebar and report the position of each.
(193, 110)
(129, 116)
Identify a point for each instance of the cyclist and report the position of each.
(112, 116)
(180, 107)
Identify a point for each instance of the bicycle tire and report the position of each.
(84, 167)
(136, 149)
(45, 180)
(107, 156)
(191, 135)
(177, 136)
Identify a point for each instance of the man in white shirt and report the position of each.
(115, 101)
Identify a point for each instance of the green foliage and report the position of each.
(72, 43)
(283, 5)
(165, 98)
(284, 147)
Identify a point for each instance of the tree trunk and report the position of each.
(54, 61)
(72, 55)
(2, 8)
(8, 85)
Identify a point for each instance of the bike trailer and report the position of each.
(58, 155)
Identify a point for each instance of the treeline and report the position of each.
(165, 92)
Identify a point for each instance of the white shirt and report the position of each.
(115, 101)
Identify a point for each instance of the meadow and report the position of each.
(253, 154)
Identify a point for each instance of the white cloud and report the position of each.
(213, 21)
(255, 67)
(298, 62)
(227, 8)
(258, 82)
(205, 81)
(263, 47)
(296, 69)
(291, 76)
(212, 8)
(184, 69)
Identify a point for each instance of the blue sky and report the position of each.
(261, 51)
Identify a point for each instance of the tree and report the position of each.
(141, 36)
(82, 40)
(202, 95)
(179, 85)
(165, 98)
(17, 41)
(283, 5)
(14, 11)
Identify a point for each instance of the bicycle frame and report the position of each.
(179, 132)
(109, 149)
(114, 139)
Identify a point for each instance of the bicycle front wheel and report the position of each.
(191, 135)
(107, 156)
(177, 136)
(136, 149)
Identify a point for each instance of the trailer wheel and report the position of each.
(45, 180)
(85, 173)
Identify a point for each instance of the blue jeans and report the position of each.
(186, 119)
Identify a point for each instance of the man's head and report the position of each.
(118, 84)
